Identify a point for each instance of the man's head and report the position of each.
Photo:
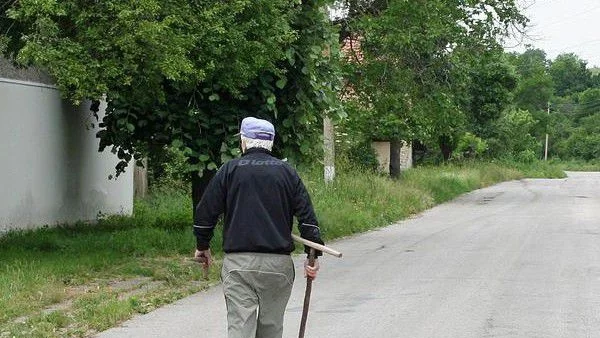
(256, 133)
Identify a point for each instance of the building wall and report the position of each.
(382, 150)
(406, 159)
(50, 169)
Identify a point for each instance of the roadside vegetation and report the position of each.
(78, 279)
(178, 77)
(577, 165)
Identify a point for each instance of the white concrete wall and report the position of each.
(50, 169)
(382, 150)
(406, 159)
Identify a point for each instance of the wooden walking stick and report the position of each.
(311, 262)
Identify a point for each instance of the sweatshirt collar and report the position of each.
(256, 151)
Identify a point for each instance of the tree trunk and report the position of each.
(395, 147)
(445, 147)
(199, 185)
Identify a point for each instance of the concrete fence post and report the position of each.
(140, 180)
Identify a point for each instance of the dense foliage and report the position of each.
(179, 75)
(563, 98)
(430, 69)
(449, 87)
(184, 73)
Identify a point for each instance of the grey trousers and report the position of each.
(257, 287)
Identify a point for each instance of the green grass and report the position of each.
(48, 266)
(538, 169)
(577, 165)
(359, 201)
(78, 263)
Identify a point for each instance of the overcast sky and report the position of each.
(563, 26)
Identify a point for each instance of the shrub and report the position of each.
(469, 146)
(363, 155)
(513, 137)
(526, 156)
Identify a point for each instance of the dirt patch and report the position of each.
(124, 288)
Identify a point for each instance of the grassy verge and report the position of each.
(80, 279)
(577, 165)
(538, 169)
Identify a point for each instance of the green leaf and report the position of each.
(177, 143)
(214, 97)
(281, 83)
(211, 166)
(203, 158)
(305, 148)
(130, 127)
(196, 167)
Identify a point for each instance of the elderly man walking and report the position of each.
(259, 196)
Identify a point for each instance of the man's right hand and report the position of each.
(311, 271)
(203, 257)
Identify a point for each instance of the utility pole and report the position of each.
(546, 147)
(328, 142)
(329, 147)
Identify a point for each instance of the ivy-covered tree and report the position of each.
(184, 73)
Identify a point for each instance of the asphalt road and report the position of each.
(519, 259)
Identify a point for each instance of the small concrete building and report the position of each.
(50, 169)
(382, 150)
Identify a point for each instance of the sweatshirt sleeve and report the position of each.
(308, 225)
(211, 206)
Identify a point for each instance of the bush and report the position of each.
(584, 146)
(362, 155)
(526, 156)
(168, 167)
(513, 136)
(469, 147)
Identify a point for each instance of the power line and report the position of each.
(592, 103)
(571, 17)
(592, 41)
